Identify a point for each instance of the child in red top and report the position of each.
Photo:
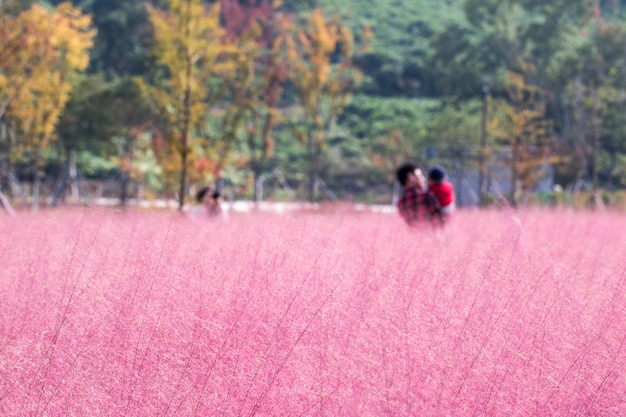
(442, 189)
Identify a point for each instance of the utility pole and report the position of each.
(483, 139)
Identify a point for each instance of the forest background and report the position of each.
(310, 100)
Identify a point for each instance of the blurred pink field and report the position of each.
(111, 314)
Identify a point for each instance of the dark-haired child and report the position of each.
(442, 189)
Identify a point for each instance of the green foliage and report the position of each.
(402, 26)
(295, 6)
(12, 7)
(121, 46)
(461, 61)
(426, 65)
(454, 134)
(377, 134)
(401, 40)
(93, 165)
(85, 119)
(372, 117)
(99, 110)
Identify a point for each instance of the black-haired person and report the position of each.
(214, 206)
(416, 205)
(211, 200)
(442, 189)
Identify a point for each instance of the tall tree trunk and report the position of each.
(259, 158)
(5, 162)
(595, 145)
(483, 144)
(61, 184)
(184, 137)
(36, 186)
(612, 168)
(184, 141)
(459, 185)
(314, 171)
(125, 180)
(514, 169)
(255, 165)
(125, 183)
(73, 174)
(68, 174)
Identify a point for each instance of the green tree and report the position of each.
(121, 46)
(593, 70)
(499, 36)
(97, 112)
(387, 131)
(398, 33)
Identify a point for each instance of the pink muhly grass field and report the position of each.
(506, 314)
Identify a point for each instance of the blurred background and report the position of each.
(121, 101)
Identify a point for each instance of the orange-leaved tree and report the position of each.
(256, 86)
(320, 66)
(43, 52)
(194, 53)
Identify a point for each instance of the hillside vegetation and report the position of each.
(310, 99)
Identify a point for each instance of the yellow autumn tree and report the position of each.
(320, 66)
(521, 127)
(43, 51)
(5, 163)
(194, 52)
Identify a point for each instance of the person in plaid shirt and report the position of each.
(416, 205)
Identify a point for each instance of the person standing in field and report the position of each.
(416, 205)
(211, 201)
(442, 189)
